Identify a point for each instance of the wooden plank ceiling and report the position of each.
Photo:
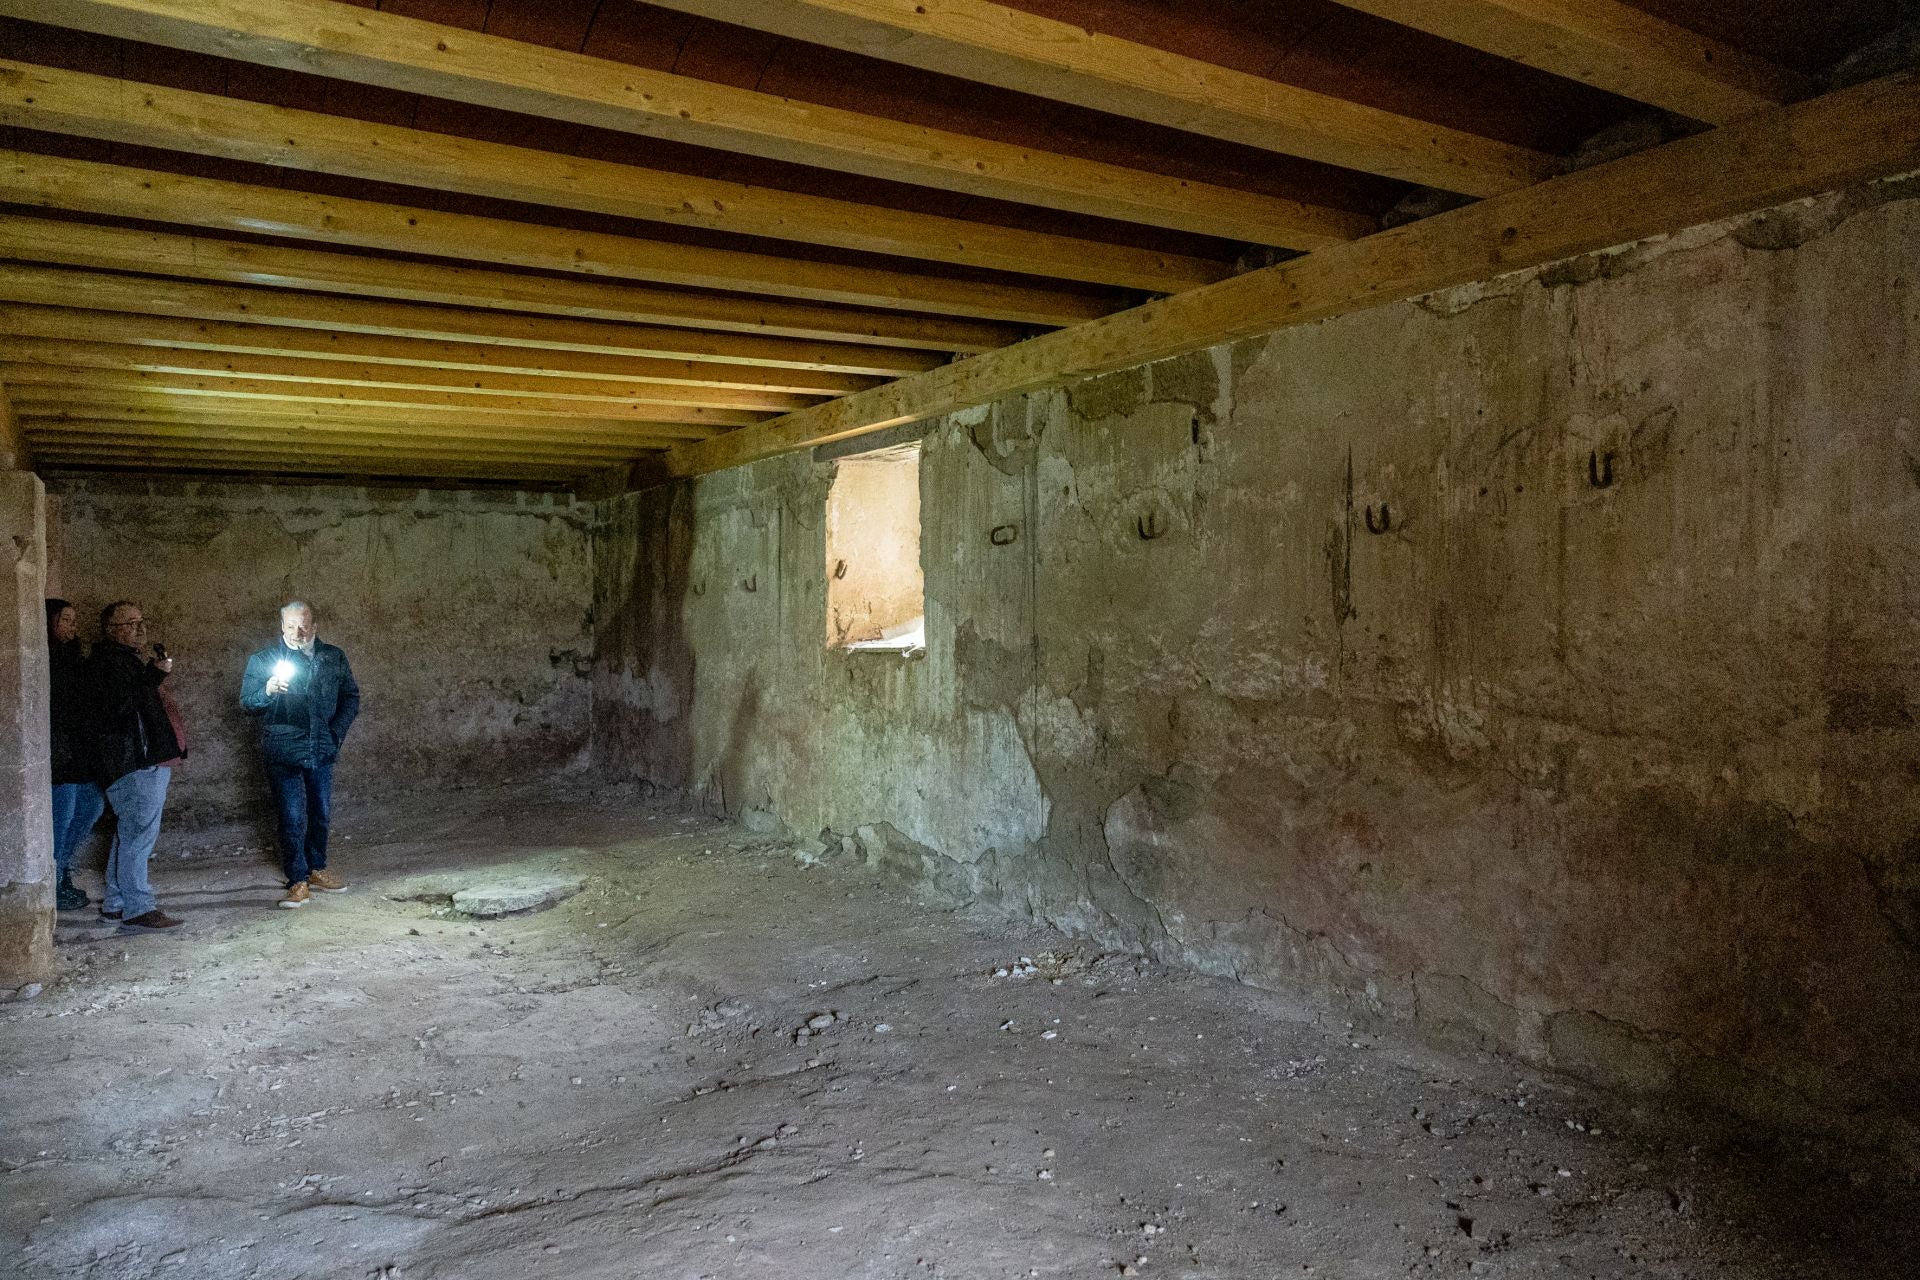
(563, 243)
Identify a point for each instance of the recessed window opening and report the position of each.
(876, 593)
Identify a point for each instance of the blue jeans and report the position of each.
(137, 800)
(76, 807)
(305, 800)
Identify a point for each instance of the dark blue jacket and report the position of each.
(303, 727)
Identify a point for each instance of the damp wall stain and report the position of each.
(1599, 752)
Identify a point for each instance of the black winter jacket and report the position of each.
(130, 725)
(68, 687)
(303, 727)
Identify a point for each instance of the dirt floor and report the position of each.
(618, 1085)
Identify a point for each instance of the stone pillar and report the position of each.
(26, 815)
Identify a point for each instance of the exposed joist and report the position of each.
(345, 471)
(77, 244)
(178, 438)
(309, 464)
(148, 115)
(86, 186)
(294, 449)
(167, 333)
(107, 291)
(1610, 45)
(268, 428)
(402, 53)
(79, 404)
(31, 376)
(566, 460)
(1864, 132)
(994, 44)
(94, 355)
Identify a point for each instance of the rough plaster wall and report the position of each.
(1600, 751)
(26, 818)
(465, 616)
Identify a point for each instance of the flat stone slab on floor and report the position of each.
(512, 894)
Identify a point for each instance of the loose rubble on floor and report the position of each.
(669, 1049)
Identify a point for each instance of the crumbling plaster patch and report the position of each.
(1531, 661)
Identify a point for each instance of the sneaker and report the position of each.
(297, 896)
(325, 883)
(154, 919)
(70, 896)
(109, 915)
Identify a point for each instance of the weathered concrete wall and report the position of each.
(26, 815)
(464, 614)
(1601, 750)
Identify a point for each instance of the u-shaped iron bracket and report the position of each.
(839, 569)
(1003, 535)
(750, 584)
(1599, 469)
(1150, 526)
(1385, 521)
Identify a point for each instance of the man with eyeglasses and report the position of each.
(132, 735)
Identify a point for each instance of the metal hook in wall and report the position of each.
(1599, 469)
(1384, 523)
(1004, 534)
(1150, 526)
(839, 569)
(750, 584)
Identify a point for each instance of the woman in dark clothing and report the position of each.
(77, 798)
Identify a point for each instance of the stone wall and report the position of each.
(464, 615)
(1534, 661)
(26, 819)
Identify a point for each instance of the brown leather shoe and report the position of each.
(325, 883)
(154, 919)
(296, 896)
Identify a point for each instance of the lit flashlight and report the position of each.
(283, 671)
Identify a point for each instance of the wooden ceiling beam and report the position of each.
(179, 438)
(108, 291)
(306, 464)
(24, 376)
(406, 54)
(121, 191)
(1855, 134)
(89, 106)
(1609, 45)
(993, 44)
(78, 244)
(299, 448)
(67, 403)
(315, 429)
(51, 353)
(162, 334)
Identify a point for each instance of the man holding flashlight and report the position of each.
(304, 693)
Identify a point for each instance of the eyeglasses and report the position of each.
(136, 623)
